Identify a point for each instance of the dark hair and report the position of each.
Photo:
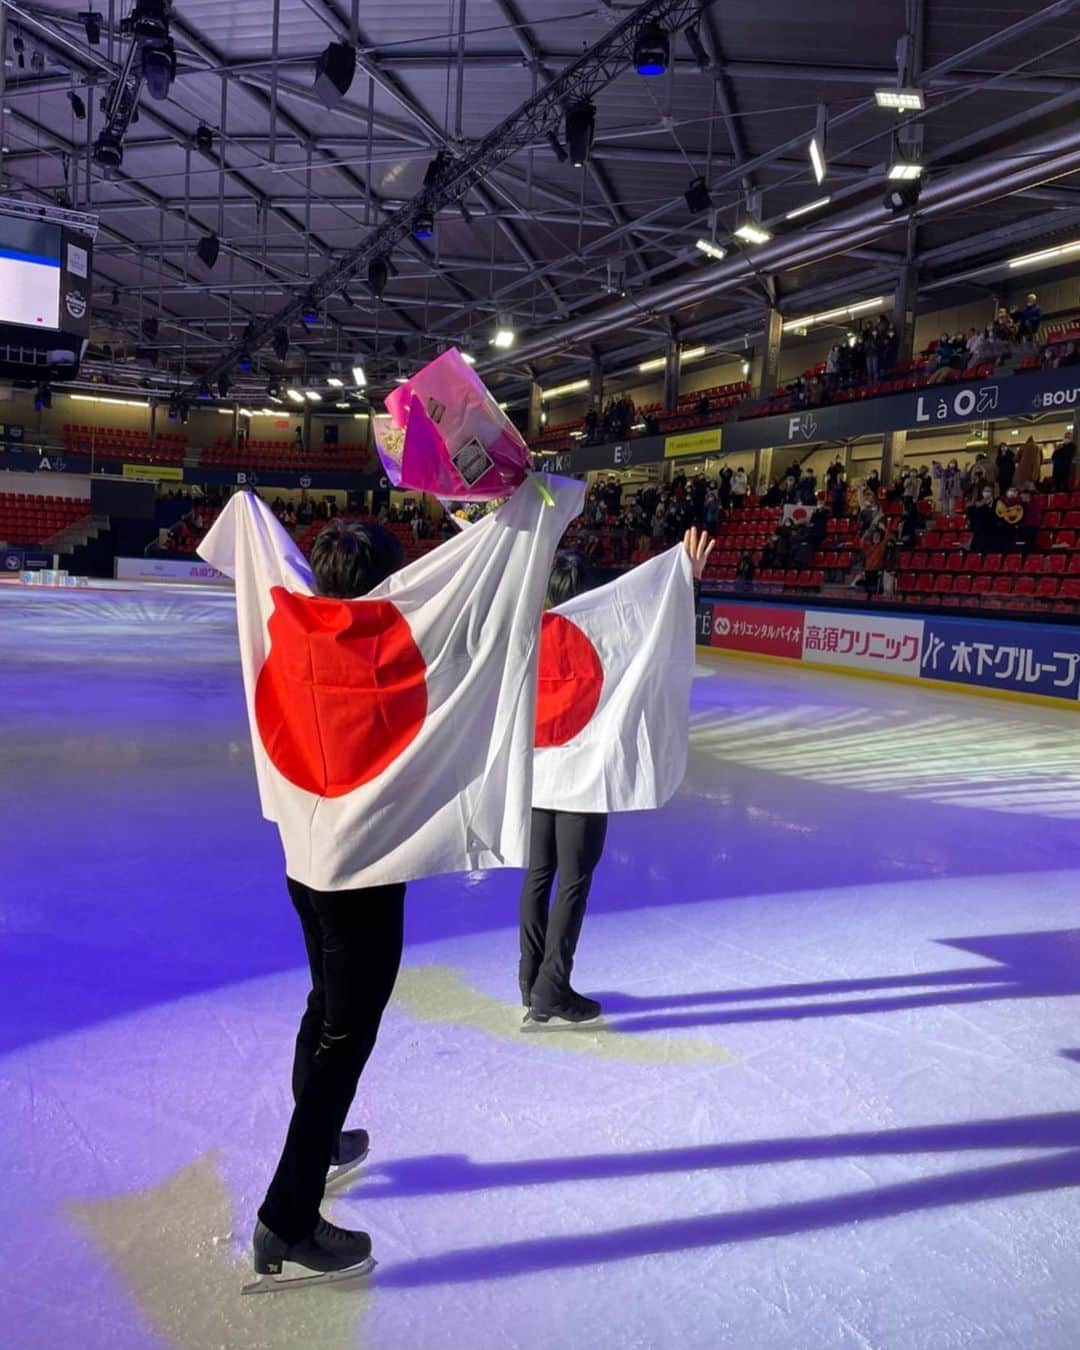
(570, 575)
(350, 558)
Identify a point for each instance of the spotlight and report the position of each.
(816, 147)
(697, 197)
(273, 391)
(309, 311)
(159, 69)
(313, 395)
(359, 375)
(294, 394)
(378, 273)
(78, 107)
(557, 147)
(711, 249)
(335, 382)
(280, 343)
(334, 72)
(109, 150)
(697, 48)
(424, 225)
(208, 248)
(503, 337)
(223, 386)
(904, 170)
(91, 22)
(652, 50)
(42, 398)
(902, 196)
(900, 100)
(580, 128)
(204, 139)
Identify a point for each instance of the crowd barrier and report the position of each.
(1020, 659)
(168, 569)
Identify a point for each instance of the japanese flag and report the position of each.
(613, 706)
(393, 734)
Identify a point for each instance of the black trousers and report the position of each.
(354, 940)
(570, 843)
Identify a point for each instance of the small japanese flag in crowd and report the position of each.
(393, 734)
(616, 664)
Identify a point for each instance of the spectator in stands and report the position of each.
(1028, 464)
(887, 342)
(808, 488)
(832, 369)
(1028, 530)
(940, 363)
(819, 528)
(1028, 319)
(1004, 329)
(1006, 467)
(873, 552)
(723, 487)
(1061, 463)
(774, 496)
(837, 496)
(591, 421)
(740, 487)
(1010, 515)
(300, 440)
(744, 572)
(870, 515)
(912, 485)
(873, 482)
(983, 522)
(947, 483)
(871, 351)
(834, 473)
(910, 521)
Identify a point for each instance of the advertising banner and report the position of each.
(769, 630)
(16, 560)
(75, 282)
(942, 405)
(1022, 658)
(875, 642)
(692, 443)
(168, 569)
(160, 473)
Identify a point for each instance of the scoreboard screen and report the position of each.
(30, 273)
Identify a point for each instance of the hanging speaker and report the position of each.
(334, 71)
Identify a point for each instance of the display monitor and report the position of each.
(30, 258)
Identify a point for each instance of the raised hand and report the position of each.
(698, 546)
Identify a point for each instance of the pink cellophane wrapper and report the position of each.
(447, 436)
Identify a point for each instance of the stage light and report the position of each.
(334, 73)
(280, 343)
(273, 391)
(91, 22)
(294, 394)
(697, 196)
(468, 358)
(904, 170)
(580, 128)
(652, 50)
(341, 405)
(109, 150)
(903, 196)
(1044, 255)
(557, 148)
(900, 100)
(827, 316)
(208, 248)
(424, 225)
(815, 205)
(78, 107)
(335, 382)
(378, 273)
(502, 338)
(313, 395)
(752, 232)
(309, 311)
(710, 249)
(359, 376)
(159, 68)
(204, 139)
(573, 387)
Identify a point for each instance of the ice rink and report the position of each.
(836, 1102)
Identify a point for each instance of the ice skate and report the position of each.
(327, 1254)
(568, 1010)
(349, 1152)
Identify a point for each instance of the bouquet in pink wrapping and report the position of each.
(446, 435)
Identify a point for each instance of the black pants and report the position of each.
(354, 941)
(570, 843)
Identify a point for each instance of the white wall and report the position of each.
(47, 484)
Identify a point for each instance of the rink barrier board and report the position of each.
(168, 569)
(935, 635)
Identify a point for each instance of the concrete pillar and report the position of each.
(671, 375)
(596, 383)
(904, 313)
(892, 456)
(235, 439)
(769, 369)
(153, 419)
(535, 408)
(762, 469)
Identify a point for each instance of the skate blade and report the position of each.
(274, 1284)
(342, 1170)
(531, 1027)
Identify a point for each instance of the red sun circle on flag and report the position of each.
(342, 691)
(570, 682)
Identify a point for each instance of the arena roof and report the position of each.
(585, 264)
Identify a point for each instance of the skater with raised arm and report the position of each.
(392, 722)
(611, 735)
